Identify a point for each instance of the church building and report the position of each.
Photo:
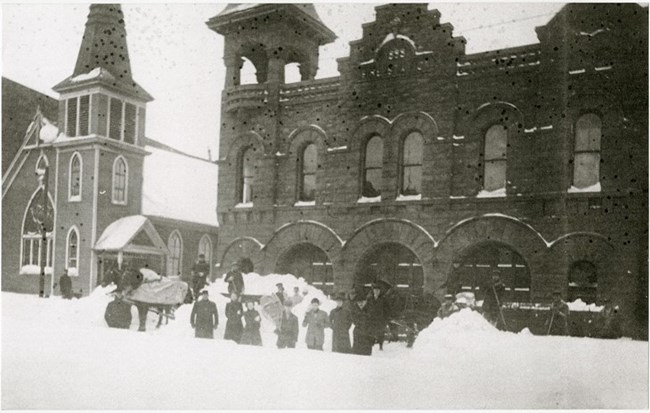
(432, 168)
(82, 172)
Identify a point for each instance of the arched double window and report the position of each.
(205, 248)
(72, 252)
(36, 216)
(308, 168)
(246, 175)
(372, 168)
(495, 158)
(586, 161)
(120, 181)
(74, 178)
(175, 258)
(411, 164)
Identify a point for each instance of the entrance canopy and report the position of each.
(134, 234)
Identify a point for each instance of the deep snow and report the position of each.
(58, 354)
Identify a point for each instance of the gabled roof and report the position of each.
(118, 236)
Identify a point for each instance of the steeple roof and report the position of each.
(104, 55)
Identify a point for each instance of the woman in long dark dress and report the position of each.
(252, 326)
(234, 326)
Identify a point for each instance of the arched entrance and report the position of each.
(394, 263)
(309, 262)
(473, 268)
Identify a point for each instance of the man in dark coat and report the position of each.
(287, 331)
(204, 318)
(200, 271)
(252, 322)
(340, 322)
(65, 284)
(379, 314)
(281, 294)
(235, 279)
(234, 313)
(363, 334)
(557, 322)
(492, 301)
(118, 313)
(316, 320)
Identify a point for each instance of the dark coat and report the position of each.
(288, 330)
(118, 314)
(316, 322)
(198, 280)
(234, 326)
(379, 312)
(204, 318)
(235, 282)
(608, 324)
(341, 321)
(251, 333)
(557, 323)
(363, 334)
(65, 284)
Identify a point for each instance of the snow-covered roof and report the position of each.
(118, 234)
(179, 187)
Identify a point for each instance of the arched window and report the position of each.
(308, 167)
(175, 246)
(412, 164)
(75, 176)
(31, 248)
(586, 163)
(205, 248)
(246, 175)
(72, 252)
(120, 181)
(496, 144)
(372, 168)
(583, 282)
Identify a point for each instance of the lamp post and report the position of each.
(43, 177)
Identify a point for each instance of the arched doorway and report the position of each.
(309, 262)
(394, 263)
(473, 268)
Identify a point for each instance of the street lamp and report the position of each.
(43, 178)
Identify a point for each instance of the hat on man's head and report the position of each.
(204, 292)
(315, 301)
(279, 285)
(201, 255)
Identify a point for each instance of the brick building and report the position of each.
(107, 188)
(431, 167)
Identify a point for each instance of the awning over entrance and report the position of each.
(134, 234)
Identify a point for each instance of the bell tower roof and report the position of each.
(104, 56)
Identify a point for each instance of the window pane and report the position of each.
(75, 176)
(496, 143)
(412, 154)
(84, 109)
(129, 123)
(310, 159)
(412, 180)
(308, 187)
(374, 152)
(119, 181)
(71, 129)
(372, 183)
(115, 127)
(495, 175)
(586, 170)
(102, 113)
(72, 250)
(247, 190)
(588, 133)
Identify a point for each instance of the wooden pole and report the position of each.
(44, 205)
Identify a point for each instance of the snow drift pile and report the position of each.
(457, 330)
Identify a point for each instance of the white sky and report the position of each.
(178, 60)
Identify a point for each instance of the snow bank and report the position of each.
(461, 329)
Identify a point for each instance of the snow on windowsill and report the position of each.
(34, 270)
(368, 200)
(305, 203)
(337, 148)
(244, 205)
(497, 193)
(409, 197)
(592, 188)
(73, 272)
(579, 305)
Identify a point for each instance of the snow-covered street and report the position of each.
(59, 354)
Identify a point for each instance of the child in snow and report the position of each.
(315, 320)
(252, 321)
(234, 313)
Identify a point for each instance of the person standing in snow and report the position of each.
(380, 311)
(252, 322)
(235, 279)
(204, 318)
(118, 313)
(65, 284)
(608, 324)
(363, 334)
(296, 298)
(557, 322)
(200, 271)
(281, 294)
(492, 301)
(340, 323)
(287, 330)
(316, 320)
(234, 313)
(448, 307)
